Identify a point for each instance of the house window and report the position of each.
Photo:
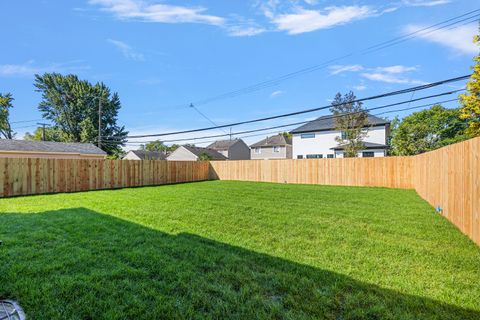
(258, 150)
(368, 154)
(344, 135)
(300, 156)
(276, 149)
(330, 156)
(307, 135)
(314, 156)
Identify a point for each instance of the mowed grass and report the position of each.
(236, 250)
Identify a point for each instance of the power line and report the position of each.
(326, 117)
(265, 84)
(25, 121)
(195, 140)
(384, 95)
(204, 116)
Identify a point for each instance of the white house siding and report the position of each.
(182, 154)
(325, 140)
(376, 153)
(268, 153)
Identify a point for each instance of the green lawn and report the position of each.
(236, 250)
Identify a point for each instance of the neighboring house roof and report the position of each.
(198, 151)
(50, 147)
(278, 140)
(328, 123)
(367, 145)
(222, 144)
(149, 155)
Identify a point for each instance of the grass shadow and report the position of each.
(79, 264)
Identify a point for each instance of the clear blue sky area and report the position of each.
(160, 55)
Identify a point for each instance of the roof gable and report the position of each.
(328, 123)
(223, 144)
(278, 140)
(49, 147)
(198, 151)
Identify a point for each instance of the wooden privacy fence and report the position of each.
(27, 176)
(448, 178)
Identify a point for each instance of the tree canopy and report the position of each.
(72, 105)
(471, 101)
(5, 106)
(427, 130)
(350, 119)
(158, 145)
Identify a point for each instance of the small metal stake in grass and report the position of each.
(10, 310)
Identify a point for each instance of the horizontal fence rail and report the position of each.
(447, 178)
(28, 176)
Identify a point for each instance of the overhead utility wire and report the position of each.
(328, 117)
(195, 140)
(382, 45)
(393, 93)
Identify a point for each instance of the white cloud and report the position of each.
(29, 68)
(389, 74)
(390, 78)
(337, 69)
(396, 69)
(424, 3)
(276, 93)
(459, 39)
(303, 20)
(127, 51)
(157, 12)
(360, 87)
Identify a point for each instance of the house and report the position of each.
(191, 153)
(276, 147)
(316, 139)
(49, 149)
(144, 155)
(232, 149)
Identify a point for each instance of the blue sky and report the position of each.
(160, 55)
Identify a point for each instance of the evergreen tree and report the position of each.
(5, 106)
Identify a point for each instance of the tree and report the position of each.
(5, 105)
(72, 105)
(204, 157)
(51, 134)
(350, 119)
(471, 102)
(427, 130)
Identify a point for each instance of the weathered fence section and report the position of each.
(27, 176)
(392, 172)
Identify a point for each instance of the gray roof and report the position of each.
(223, 144)
(49, 146)
(198, 151)
(149, 155)
(328, 123)
(367, 145)
(278, 140)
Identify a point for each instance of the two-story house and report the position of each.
(275, 147)
(316, 139)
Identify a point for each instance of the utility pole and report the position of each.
(100, 122)
(43, 130)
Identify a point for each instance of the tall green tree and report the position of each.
(73, 105)
(351, 119)
(5, 106)
(428, 130)
(471, 101)
(158, 145)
